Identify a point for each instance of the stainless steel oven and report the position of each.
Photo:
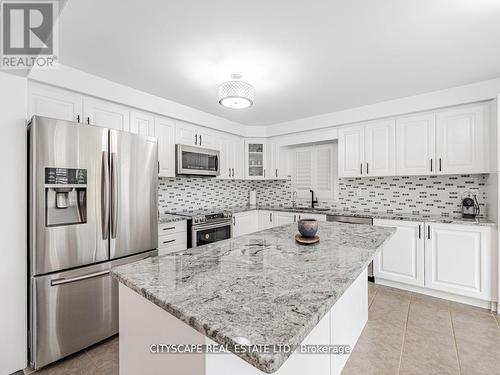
(209, 232)
(196, 161)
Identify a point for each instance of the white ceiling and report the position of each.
(304, 57)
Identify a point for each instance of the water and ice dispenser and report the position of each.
(65, 196)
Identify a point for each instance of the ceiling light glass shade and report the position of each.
(236, 94)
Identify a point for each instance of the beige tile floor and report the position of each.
(406, 333)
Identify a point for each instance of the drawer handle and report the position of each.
(169, 228)
(169, 241)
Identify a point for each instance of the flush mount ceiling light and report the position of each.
(236, 94)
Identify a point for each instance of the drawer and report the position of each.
(172, 227)
(172, 242)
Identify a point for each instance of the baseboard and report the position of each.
(438, 294)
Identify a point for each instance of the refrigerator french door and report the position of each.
(92, 205)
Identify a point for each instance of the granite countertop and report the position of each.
(374, 215)
(257, 289)
(170, 218)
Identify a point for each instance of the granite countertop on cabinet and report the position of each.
(170, 218)
(258, 289)
(375, 215)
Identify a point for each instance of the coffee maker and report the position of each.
(470, 207)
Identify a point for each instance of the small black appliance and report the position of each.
(470, 207)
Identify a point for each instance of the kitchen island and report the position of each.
(260, 296)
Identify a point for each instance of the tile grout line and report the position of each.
(455, 341)
(404, 335)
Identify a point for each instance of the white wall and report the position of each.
(475, 92)
(13, 275)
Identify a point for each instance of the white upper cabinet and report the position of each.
(462, 140)
(351, 151)
(402, 257)
(458, 259)
(380, 148)
(164, 130)
(106, 114)
(415, 145)
(55, 103)
(276, 161)
(231, 149)
(256, 158)
(367, 150)
(142, 123)
(192, 135)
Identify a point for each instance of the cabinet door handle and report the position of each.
(419, 232)
(366, 168)
(264, 173)
(361, 168)
(431, 164)
(428, 232)
(270, 217)
(158, 167)
(77, 118)
(168, 241)
(196, 139)
(200, 139)
(233, 171)
(229, 172)
(439, 164)
(234, 220)
(169, 228)
(88, 120)
(276, 172)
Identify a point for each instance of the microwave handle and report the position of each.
(217, 163)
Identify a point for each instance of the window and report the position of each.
(315, 167)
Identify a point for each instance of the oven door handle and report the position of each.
(211, 226)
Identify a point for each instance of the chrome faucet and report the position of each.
(294, 198)
(313, 201)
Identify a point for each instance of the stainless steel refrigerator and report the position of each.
(92, 205)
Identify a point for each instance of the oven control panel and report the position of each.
(212, 217)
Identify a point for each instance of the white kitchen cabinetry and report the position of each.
(105, 114)
(415, 145)
(55, 103)
(351, 151)
(164, 130)
(458, 259)
(245, 223)
(276, 161)
(282, 218)
(256, 159)
(368, 150)
(192, 135)
(402, 257)
(172, 237)
(231, 156)
(462, 140)
(305, 215)
(142, 123)
(266, 219)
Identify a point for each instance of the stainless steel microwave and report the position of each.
(196, 161)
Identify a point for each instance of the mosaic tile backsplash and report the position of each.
(433, 195)
(188, 193)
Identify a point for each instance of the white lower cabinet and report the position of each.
(172, 237)
(402, 257)
(245, 223)
(449, 258)
(266, 220)
(458, 259)
(282, 218)
(318, 217)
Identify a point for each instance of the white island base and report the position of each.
(142, 324)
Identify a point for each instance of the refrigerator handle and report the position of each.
(114, 195)
(105, 196)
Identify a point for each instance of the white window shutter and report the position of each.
(303, 172)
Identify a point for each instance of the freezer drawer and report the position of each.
(74, 309)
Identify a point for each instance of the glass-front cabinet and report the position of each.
(255, 158)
